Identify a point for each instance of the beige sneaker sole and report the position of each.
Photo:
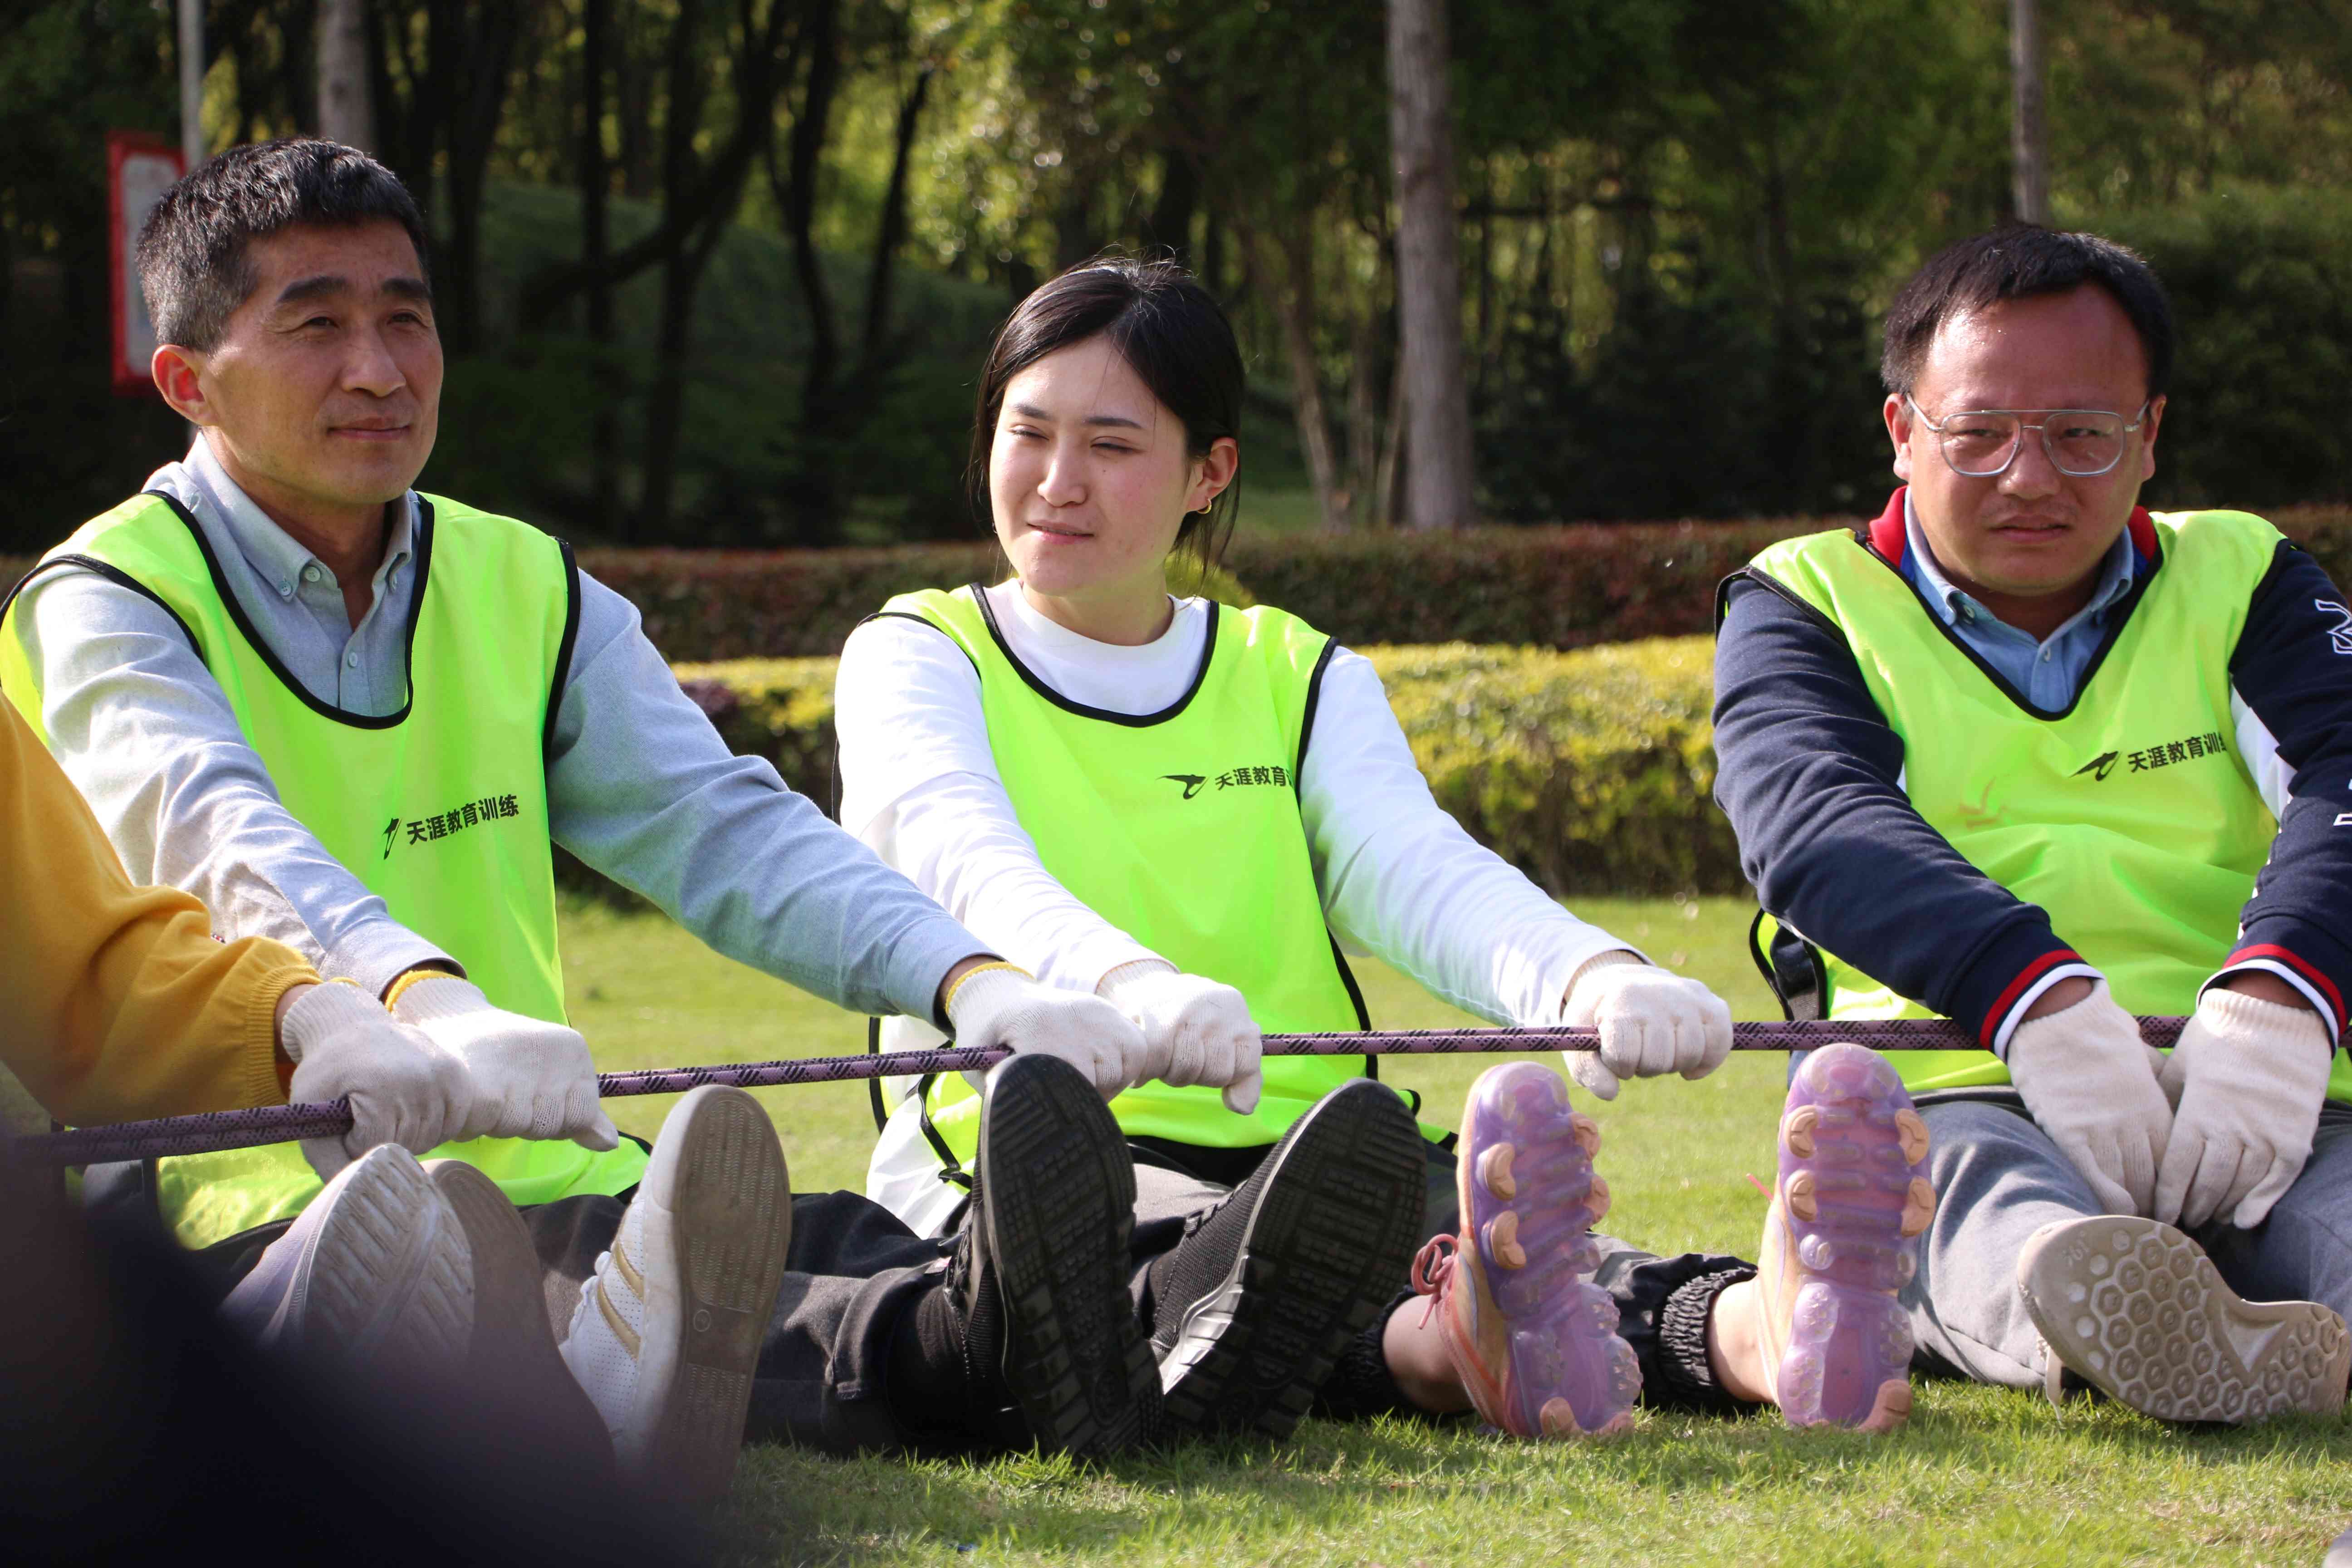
(731, 1208)
(2138, 1309)
(512, 1362)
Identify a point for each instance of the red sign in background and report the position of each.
(139, 168)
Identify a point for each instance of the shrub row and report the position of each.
(1589, 770)
(1555, 587)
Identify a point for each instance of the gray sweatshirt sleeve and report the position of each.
(641, 787)
(148, 738)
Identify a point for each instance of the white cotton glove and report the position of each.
(2091, 1084)
(532, 1078)
(1005, 1009)
(1650, 1022)
(2250, 1076)
(1195, 1029)
(403, 1088)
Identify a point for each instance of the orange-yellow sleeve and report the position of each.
(120, 1004)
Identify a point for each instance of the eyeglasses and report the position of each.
(1982, 442)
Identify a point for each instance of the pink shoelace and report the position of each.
(1433, 1267)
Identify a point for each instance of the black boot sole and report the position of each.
(1330, 1243)
(1058, 1195)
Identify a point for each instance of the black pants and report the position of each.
(854, 1270)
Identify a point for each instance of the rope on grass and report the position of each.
(214, 1131)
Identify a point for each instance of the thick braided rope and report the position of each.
(216, 1131)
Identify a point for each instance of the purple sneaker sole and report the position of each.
(1854, 1194)
(1546, 1347)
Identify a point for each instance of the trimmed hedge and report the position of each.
(1557, 587)
(1589, 770)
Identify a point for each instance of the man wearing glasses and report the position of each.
(2023, 753)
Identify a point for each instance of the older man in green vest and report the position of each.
(356, 718)
(2025, 754)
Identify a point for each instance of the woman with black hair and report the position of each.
(1190, 811)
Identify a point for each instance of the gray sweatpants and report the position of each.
(1998, 1178)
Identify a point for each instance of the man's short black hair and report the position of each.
(2019, 262)
(192, 262)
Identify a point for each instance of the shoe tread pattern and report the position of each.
(2138, 1309)
(1059, 1195)
(1527, 1254)
(732, 1226)
(1328, 1246)
(1855, 1197)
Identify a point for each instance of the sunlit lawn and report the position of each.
(1982, 1477)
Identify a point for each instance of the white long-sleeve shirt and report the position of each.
(1398, 877)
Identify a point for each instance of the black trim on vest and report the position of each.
(1792, 968)
(952, 1169)
(1298, 768)
(1132, 721)
(270, 656)
(114, 574)
(2122, 618)
(562, 649)
(922, 621)
(874, 1085)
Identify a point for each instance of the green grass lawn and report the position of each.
(1981, 1477)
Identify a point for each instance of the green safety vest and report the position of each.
(440, 809)
(2129, 818)
(1181, 829)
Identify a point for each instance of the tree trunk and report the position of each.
(482, 75)
(1438, 481)
(346, 113)
(1169, 225)
(1363, 413)
(891, 232)
(2029, 129)
(665, 403)
(666, 406)
(798, 199)
(1294, 301)
(1384, 483)
(596, 178)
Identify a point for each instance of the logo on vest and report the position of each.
(1245, 778)
(2104, 762)
(2185, 750)
(1192, 783)
(456, 819)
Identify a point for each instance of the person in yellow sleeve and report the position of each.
(124, 1006)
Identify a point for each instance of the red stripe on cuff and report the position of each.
(2025, 977)
(2272, 951)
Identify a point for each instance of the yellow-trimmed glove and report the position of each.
(404, 1089)
(532, 1078)
(998, 1006)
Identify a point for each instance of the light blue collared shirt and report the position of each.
(2049, 672)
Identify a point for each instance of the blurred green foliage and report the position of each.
(1679, 221)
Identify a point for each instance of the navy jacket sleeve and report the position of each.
(1806, 769)
(2293, 666)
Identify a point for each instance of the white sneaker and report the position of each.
(669, 1326)
(2135, 1307)
(375, 1280)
